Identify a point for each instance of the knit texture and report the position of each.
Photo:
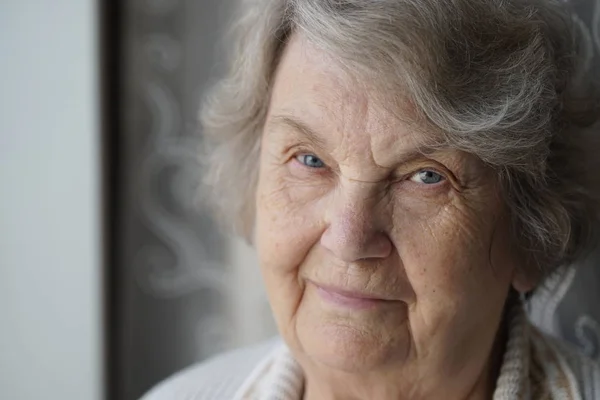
(534, 367)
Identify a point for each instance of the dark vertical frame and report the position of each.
(154, 325)
(110, 35)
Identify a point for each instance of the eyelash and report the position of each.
(297, 156)
(442, 178)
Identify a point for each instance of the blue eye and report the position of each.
(427, 177)
(310, 161)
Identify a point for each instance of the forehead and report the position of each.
(314, 87)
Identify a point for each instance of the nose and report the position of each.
(352, 233)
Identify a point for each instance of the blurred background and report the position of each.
(112, 277)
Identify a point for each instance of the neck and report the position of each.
(385, 389)
(409, 382)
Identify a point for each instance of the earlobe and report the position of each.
(525, 279)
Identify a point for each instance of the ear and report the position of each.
(526, 278)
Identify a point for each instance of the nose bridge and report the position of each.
(354, 206)
(353, 232)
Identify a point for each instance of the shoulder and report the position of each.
(584, 371)
(216, 378)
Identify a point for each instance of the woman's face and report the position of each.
(376, 257)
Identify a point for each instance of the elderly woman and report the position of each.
(408, 171)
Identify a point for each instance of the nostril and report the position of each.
(381, 247)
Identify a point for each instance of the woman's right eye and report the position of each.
(310, 160)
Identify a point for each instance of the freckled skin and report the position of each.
(363, 222)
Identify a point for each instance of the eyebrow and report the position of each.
(295, 124)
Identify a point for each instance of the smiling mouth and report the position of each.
(350, 299)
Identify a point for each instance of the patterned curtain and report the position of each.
(184, 290)
(568, 306)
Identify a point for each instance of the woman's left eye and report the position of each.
(427, 177)
(310, 160)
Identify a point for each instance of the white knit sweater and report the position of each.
(534, 367)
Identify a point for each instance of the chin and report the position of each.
(350, 346)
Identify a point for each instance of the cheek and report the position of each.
(446, 252)
(288, 221)
(287, 228)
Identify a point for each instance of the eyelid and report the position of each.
(447, 175)
(299, 155)
(431, 165)
(409, 173)
(296, 152)
(414, 177)
(435, 171)
(305, 150)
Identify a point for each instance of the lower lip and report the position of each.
(355, 303)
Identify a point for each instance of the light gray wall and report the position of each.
(50, 304)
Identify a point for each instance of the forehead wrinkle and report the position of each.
(392, 141)
(353, 112)
(336, 108)
(390, 129)
(296, 125)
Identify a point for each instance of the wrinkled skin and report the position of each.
(346, 201)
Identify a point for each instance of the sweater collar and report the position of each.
(280, 377)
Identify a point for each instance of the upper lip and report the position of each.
(352, 293)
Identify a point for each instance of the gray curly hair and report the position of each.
(494, 78)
